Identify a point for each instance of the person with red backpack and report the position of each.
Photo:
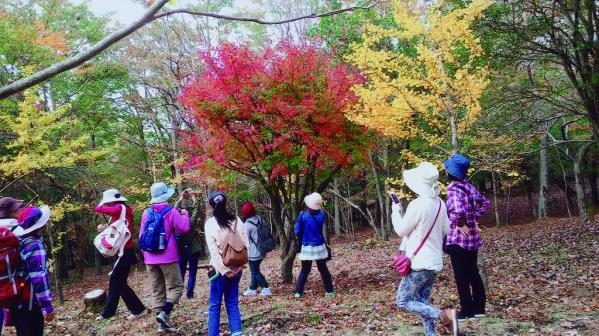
(28, 315)
(254, 225)
(9, 212)
(112, 204)
(159, 246)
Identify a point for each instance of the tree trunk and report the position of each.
(533, 208)
(495, 205)
(542, 211)
(337, 209)
(580, 196)
(380, 198)
(592, 177)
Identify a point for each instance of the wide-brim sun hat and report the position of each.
(423, 179)
(457, 166)
(32, 218)
(313, 201)
(111, 195)
(161, 192)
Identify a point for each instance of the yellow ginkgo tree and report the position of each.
(424, 75)
(42, 140)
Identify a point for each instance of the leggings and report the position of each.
(324, 273)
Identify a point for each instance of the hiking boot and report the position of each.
(250, 292)
(164, 320)
(449, 320)
(480, 315)
(297, 295)
(161, 328)
(329, 294)
(265, 292)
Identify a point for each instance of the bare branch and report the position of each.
(149, 16)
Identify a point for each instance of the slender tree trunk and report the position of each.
(580, 195)
(592, 177)
(542, 211)
(533, 208)
(337, 209)
(495, 205)
(566, 193)
(380, 198)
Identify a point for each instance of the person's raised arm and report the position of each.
(180, 221)
(109, 210)
(403, 226)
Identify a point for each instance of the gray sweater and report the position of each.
(251, 227)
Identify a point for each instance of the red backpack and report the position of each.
(13, 289)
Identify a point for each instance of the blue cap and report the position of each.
(457, 166)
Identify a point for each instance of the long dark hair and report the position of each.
(220, 212)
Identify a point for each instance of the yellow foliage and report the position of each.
(409, 94)
(42, 140)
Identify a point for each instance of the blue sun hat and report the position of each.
(457, 166)
(161, 192)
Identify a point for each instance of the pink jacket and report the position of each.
(172, 219)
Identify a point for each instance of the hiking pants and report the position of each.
(324, 273)
(468, 281)
(256, 277)
(118, 287)
(413, 296)
(192, 260)
(229, 288)
(165, 284)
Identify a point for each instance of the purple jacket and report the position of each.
(465, 205)
(173, 219)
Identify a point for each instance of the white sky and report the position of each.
(126, 11)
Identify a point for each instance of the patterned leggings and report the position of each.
(413, 296)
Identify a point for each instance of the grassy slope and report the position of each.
(544, 281)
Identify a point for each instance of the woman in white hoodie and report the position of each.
(427, 213)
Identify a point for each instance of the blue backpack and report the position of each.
(153, 237)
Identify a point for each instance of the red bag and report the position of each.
(13, 289)
(401, 263)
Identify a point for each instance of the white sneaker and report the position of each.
(266, 292)
(135, 317)
(250, 292)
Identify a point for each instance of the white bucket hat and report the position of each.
(28, 225)
(112, 195)
(423, 179)
(161, 192)
(313, 201)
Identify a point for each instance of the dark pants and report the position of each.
(256, 277)
(118, 287)
(28, 322)
(192, 260)
(467, 277)
(324, 273)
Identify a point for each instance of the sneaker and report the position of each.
(136, 316)
(480, 315)
(266, 292)
(329, 294)
(163, 319)
(161, 328)
(250, 292)
(297, 295)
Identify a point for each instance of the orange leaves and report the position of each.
(55, 40)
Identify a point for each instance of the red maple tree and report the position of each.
(277, 116)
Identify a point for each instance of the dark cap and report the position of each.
(8, 205)
(216, 197)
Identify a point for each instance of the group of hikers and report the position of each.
(170, 246)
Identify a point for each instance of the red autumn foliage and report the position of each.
(270, 113)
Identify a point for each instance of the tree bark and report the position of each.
(380, 198)
(337, 209)
(495, 205)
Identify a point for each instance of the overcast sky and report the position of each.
(126, 11)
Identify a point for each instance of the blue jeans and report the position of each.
(192, 260)
(256, 277)
(1, 320)
(229, 288)
(413, 296)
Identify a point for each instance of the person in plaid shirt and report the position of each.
(465, 205)
(29, 317)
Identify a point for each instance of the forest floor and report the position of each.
(543, 276)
